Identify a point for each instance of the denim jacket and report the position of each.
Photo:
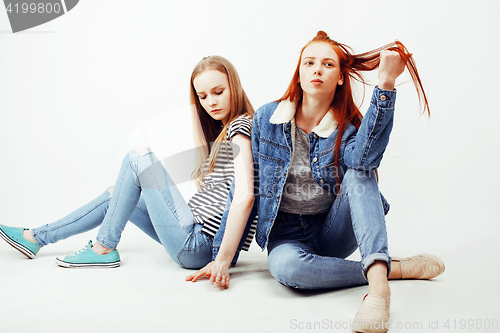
(273, 134)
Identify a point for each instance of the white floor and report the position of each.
(72, 90)
(148, 294)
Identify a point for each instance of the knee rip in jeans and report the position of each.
(110, 189)
(142, 150)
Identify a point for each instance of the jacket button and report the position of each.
(383, 98)
(321, 181)
(315, 159)
(315, 135)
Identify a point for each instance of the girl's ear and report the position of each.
(341, 80)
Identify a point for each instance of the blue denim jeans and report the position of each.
(309, 251)
(145, 195)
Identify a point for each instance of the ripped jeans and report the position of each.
(145, 195)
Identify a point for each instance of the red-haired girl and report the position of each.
(317, 158)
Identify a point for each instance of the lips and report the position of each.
(316, 81)
(215, 110)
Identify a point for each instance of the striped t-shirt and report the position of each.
(209, 203)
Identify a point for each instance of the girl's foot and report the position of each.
(28, 236)
(15, 237)
(373, 315)
(100, 250)
(377, 280)
(88, 258)
(421, 267)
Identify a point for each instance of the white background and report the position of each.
(73, 90)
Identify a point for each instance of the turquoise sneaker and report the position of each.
(86, 258)
(14, 236)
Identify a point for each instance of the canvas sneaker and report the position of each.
(87, 258)
(14, 236)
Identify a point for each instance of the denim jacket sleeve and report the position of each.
(364, 150)
(255, 156)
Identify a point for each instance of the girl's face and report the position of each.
(319, 71)
(212, 88)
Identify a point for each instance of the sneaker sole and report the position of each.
(66, 264)
(21, 248)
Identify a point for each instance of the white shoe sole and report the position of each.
(66, 264)
(21, 248)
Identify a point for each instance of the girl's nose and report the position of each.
(212, 101)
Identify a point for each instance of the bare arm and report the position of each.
(241, 206)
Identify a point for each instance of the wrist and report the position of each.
(223, 260)
(385, 83)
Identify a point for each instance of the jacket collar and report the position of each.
(285, 112)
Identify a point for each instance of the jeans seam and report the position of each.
(113, 209)
(106, 245)
(184, 250)
(369, 141)
(302, 254)
(72, 221)
(45, 230)
(340, 197)
(142, 210)
(286, 284)
(163, 197)
(360, 246)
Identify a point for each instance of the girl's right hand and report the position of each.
(216, 271)
(391, 66)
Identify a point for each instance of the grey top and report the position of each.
(301, 193)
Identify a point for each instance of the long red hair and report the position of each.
(352, 65)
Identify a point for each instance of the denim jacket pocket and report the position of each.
(270, 169)
(331, 172)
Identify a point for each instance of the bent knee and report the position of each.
(142, 150)
(110, 189)
(290, 268)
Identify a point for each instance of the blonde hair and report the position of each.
(209, 134)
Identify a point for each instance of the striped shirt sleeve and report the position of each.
(241, 125)
(208, 205)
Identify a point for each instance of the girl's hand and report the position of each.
(217, 272)
(390, 67)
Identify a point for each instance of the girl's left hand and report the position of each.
(216, 271)
(391, 66)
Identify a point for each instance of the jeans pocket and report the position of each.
(270, 169)
(196, 253)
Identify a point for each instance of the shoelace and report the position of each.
(85, 248)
